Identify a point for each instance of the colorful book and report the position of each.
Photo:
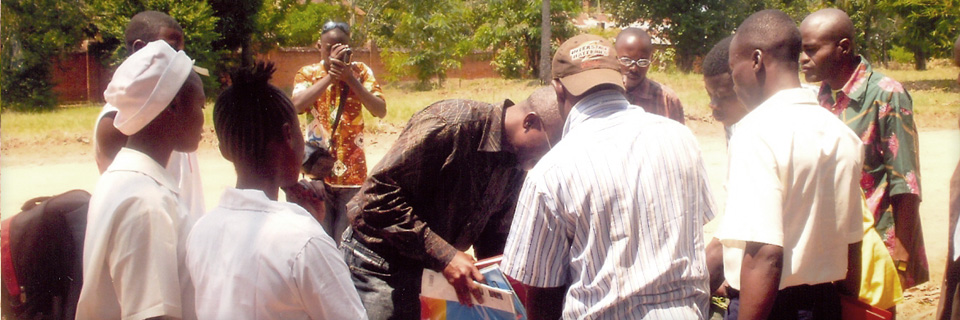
(438, 301)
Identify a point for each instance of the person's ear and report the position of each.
(845, 46)
(137, 45)
(558, 88)
(531, 120)
(288, 135)
(757, 58)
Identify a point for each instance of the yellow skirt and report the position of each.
(879, 284)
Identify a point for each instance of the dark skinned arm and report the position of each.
(109, 141)
(851, 284)
(545, 303)
(906, 209)
(759, 279)
(715, 264)
(374, 104)
(304, 99)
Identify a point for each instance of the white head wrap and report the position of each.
(145, 84)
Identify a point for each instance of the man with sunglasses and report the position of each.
(636, 49)
(317, 89)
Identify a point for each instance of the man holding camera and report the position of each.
(318, 88)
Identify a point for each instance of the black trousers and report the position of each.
(803, 302)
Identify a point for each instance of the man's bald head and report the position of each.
(830, 24)
(829, 51)
(956, 52)
(772, 32)
(634, 35)
(636, 45)
(763, 56)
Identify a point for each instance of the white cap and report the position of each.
(145, 84)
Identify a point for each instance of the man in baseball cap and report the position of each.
(137, 224)
(609, 222)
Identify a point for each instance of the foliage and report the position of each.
(236, 27)
(425, 37)
(510, 65)
(34, 31)
(302, 24)
(108, 20)
(691, 33)
(511, 28)
(268, 33)
(927, 28)
(900, 55)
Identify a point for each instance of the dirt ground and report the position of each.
(36, 168)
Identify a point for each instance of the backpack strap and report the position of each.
(7, 271)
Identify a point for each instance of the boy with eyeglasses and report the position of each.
(317, 89)
(636, 50)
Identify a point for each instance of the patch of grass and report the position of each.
(935, 93)
(74, 122)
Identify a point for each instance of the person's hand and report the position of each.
(339, 63)
(461, 272)
(307, 196)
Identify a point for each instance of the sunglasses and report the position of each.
(330, 25)
(627, 62)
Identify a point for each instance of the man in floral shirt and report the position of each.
(880, 111)
(317, 89)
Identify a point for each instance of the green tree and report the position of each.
(301, 25)
(34, 32)
(690, 26)
(236, 26)
(512, 29)
(425, 37)
(109, 18)
(925, 27)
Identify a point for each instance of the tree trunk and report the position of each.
(545, 36)
(685, 62)
(919, 58)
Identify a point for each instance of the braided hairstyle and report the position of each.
(250, 114)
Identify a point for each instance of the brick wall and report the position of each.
(79, 77)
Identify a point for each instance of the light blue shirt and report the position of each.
(616, 211)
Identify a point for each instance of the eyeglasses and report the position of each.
(627, 62)
(330, 25)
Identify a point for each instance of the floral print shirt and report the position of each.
(880, 111)
(350, 168)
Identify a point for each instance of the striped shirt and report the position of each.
(615, 211)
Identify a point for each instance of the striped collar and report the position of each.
(599, 104)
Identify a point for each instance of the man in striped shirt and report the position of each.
(609, 222)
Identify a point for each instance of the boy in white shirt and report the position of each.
(137, 222)
(252, 256)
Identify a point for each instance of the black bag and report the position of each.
(42, 252)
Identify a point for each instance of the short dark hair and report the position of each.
(146, 26)
(251, 113)
(717, 61)
(773, 32)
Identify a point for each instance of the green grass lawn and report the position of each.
(935, 93)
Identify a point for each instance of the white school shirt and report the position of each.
(133, 248)
(793, 181)
(616, 211)
(183, 167)
(255, 258)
